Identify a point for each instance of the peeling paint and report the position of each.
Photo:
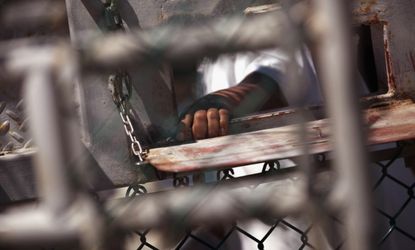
(369, 12)
(389, 65)
(412, 59)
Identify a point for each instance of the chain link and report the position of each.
(112, 16)
(271, 166)
(120, 85)
(135, 190)
(225, 174)
(180, 181)
(136, 147)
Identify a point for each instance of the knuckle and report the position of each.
(200, 115)
(224, 112)
(212, 113)
(187, 117)
(187, 120)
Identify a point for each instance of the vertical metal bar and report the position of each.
(60, 166)
(42, 105)
(297, 92)
(336, 59)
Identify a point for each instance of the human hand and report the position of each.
(203, 124)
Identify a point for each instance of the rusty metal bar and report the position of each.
(336, 57)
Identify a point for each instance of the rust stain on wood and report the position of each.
(389, 66)
(392, 133)
(372, 118)
(386, 124)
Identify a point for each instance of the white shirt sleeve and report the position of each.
(229, 70)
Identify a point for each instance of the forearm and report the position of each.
(256, 92)
(209, 116)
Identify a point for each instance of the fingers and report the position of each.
(187, 131)
(199, 128)
(185, 128)
(223, 121)
(204, 124)
(213, 122)
(187, 121)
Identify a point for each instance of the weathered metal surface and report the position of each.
(12, 135)
(150, 13)
(272, 119)
(369, 11)
(16, 175)
(102, 128)
(385, 125)
(397, 18)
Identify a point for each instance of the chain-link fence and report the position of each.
(393, 188)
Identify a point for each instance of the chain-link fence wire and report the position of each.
(393, 187)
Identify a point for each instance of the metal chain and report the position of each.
(112, 16)
(120, 85)
(135, 145)
(320, 157)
